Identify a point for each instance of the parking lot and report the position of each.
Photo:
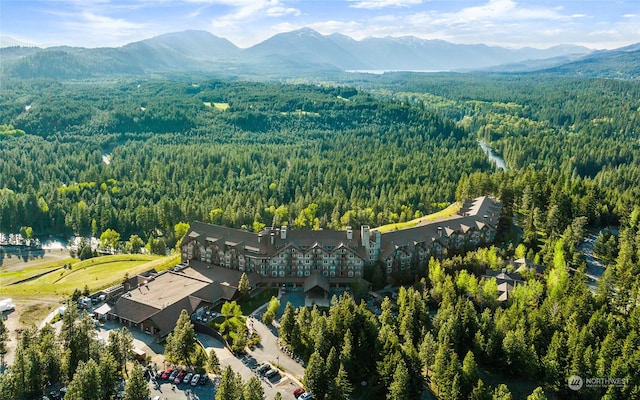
(247, 367)
(170, 391)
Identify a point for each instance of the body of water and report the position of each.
(493, 157)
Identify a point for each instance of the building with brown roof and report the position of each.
(154, 305)
(506, 282)
(291, 256)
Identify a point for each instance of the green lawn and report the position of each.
(32, 269)
(447, 212)
(97, 273)
(250, 304)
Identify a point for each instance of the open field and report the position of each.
(221, 106)
(39, 285)
(52, 280)
(31, 270)
(447, 212)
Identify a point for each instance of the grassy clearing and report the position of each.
(36, 312)
(31, 270)
(97, 273)
(221, 106)
(300, 113)
(446, 213)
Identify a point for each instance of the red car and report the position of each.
(181, 375)
(297, 392)
(166, 373)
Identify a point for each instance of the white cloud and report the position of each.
(100, 24)
(373, 4)
(244, 11)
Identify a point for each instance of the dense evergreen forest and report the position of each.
(141, 156)
(341, 156)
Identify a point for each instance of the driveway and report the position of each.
(285, 385)
(141, 340)
(268, 350)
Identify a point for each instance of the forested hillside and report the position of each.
(176, 154)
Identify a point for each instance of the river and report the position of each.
(493, 157)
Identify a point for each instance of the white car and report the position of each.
(306, 396)
(194, 380)
(187, 378)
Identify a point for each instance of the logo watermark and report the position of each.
(576, 382)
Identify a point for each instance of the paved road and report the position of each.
(268, 351)
(285, 385)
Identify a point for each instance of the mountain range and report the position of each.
(304, 52)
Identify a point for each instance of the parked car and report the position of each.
(179, 377)
(298, 392)
(195, 379)
(173, 375)
(271, 373)
(204, 378)
(306, 396)
(166, 373)
(187, 378)
(264, 368)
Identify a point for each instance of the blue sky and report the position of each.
(512, 23)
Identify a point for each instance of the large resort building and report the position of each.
(297, 257)
(214, 257)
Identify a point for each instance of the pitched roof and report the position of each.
(166, 318)
(316, 280)
(103, 309)
(162, 299)
(132, 310)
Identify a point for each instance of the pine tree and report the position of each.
(110, 372)
(346, 354)
(400, 388)
(230, 387)
(120, 346)
(315, 376)
(538, 394)
(213, 363)
(469, 373)
(480, 392)
(340, 388)
(181, 343)
(333, 362)
(137, 388)
(244, 286)
(502, 392)
(288, 324)
(253, 389)
(4, 336)
(85, 384)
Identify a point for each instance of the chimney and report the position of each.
(364, 235)
(259, 237)
(439, 231)
(273, 237)
(349, 233)
(283, 232)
